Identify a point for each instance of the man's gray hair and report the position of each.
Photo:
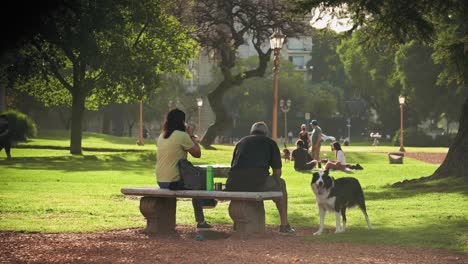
(259, 128)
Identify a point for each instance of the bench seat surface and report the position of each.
(156, 192)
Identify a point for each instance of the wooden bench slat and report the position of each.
(156, 192)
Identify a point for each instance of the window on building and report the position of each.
(295, 44)
(297, 61)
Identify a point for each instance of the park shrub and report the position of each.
(20, 126)
(415, 137)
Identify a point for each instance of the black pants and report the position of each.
(196, 203)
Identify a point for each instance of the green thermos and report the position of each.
(209, 178)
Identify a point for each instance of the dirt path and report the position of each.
(435, 158)
(222, 246)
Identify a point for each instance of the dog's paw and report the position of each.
(318, 233)
(337, 231)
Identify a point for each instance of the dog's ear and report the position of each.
(315, 177)
(325, 172)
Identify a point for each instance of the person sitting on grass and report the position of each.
(301, 158)
(340, 162)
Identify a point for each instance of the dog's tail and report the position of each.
(285, 145)
(362, 205)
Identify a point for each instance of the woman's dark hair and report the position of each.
(175, 120)
(336, 145)
(300, 143)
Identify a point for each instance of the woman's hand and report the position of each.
(189, 129)
(195, 139)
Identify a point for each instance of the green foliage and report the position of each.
(369, 75)
(245, 102)
(322, 99)
(417, 138)
(325, 62)
(418, 75)
(95, 53)
(20, 126)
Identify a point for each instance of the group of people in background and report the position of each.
(307, 153)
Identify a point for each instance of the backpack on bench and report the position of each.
(193, 177)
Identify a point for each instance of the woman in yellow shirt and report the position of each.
(175, 141)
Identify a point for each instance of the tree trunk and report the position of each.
(2, 98)
(223, 120)
(117, 120)
(78, 102)
(106, 120)
(130, 127)
(456, 161)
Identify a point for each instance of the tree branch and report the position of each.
(139, 35)
(56, 73)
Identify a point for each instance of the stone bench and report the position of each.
(396, 157)
(158, 206)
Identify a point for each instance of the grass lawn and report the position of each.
(49, 190)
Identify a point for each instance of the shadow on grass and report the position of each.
(448, 185)
(65, 135)
(445, 234)
(84, 163)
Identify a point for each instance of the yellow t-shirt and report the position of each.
(170, 151)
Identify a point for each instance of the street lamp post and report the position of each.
(199, 104)
(140, 130)
(276, 43)
(285, 109)
(401, 100)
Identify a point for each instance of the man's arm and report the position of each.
(277, 172)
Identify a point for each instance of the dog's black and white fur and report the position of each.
(337, 195)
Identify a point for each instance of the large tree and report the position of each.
(440, 23)
(92, 52)
(223, 26)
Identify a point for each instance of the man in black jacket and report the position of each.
(252, 158)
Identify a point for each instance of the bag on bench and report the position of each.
(192, 176)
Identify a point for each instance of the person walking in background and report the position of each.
(316, 138)
(301, 158)
(304, 136)
(175, 141)
(290, 136)
(252, 158)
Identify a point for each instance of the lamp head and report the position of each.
(401, 99)
(277, 40)
(199, 102)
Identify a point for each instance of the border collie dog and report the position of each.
(335, 196)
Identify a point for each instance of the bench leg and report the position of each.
(248, 216)
(160, 214)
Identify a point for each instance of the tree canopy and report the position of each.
(440, 24)
(95, 52)
(222, 27)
